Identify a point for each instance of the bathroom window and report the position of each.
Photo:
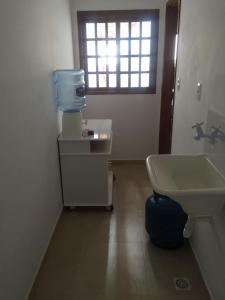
(118, 51)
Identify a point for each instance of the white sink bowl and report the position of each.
(191, 180)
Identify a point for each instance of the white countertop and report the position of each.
(102, 130)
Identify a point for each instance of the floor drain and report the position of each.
(182, 284)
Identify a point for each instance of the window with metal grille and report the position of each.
(118, 50)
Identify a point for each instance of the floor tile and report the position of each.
(97, 255)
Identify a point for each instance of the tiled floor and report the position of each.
(99, 255)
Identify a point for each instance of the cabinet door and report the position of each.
(85, 180)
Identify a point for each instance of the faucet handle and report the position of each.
(197, 125)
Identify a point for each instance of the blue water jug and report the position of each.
(69, 90)
(164, 221)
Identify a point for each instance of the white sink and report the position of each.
(191, 180)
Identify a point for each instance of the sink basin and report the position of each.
(191, 180)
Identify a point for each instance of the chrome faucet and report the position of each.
(214, 135)
(199, 131)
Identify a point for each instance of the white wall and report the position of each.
(201, 58)
(135, 117)
(35, 39)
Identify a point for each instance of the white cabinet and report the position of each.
(86, 176)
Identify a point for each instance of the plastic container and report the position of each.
(69, 90)
(164, 221)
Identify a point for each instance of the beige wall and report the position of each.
(201, 58)
(135, 117)
(35, 39)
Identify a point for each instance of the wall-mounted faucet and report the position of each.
(199, 131)
(215, 134)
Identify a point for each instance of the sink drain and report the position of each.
(182, 284)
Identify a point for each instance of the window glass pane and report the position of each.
(124, 29)
(134, 47)
(123, 80)
(90, 30)
(145, 64)
(123, 47)
(112, 62)
(112, 80)
(101, 30)
(135, 29)
(112, 48)
(145, 80)
(102, 64)
(118, 52)
(111, 30)
(134, 80)
(124, 64)
(92, 83)
(91, 65)
(134, 63)
(146, 29)
(91, 48)
(145, 47)
(102, 80)
(102, 48)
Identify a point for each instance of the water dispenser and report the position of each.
(69, 90)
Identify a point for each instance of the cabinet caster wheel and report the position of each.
(72, 208)
(109, 208)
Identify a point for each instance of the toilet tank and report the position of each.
(69, 90)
